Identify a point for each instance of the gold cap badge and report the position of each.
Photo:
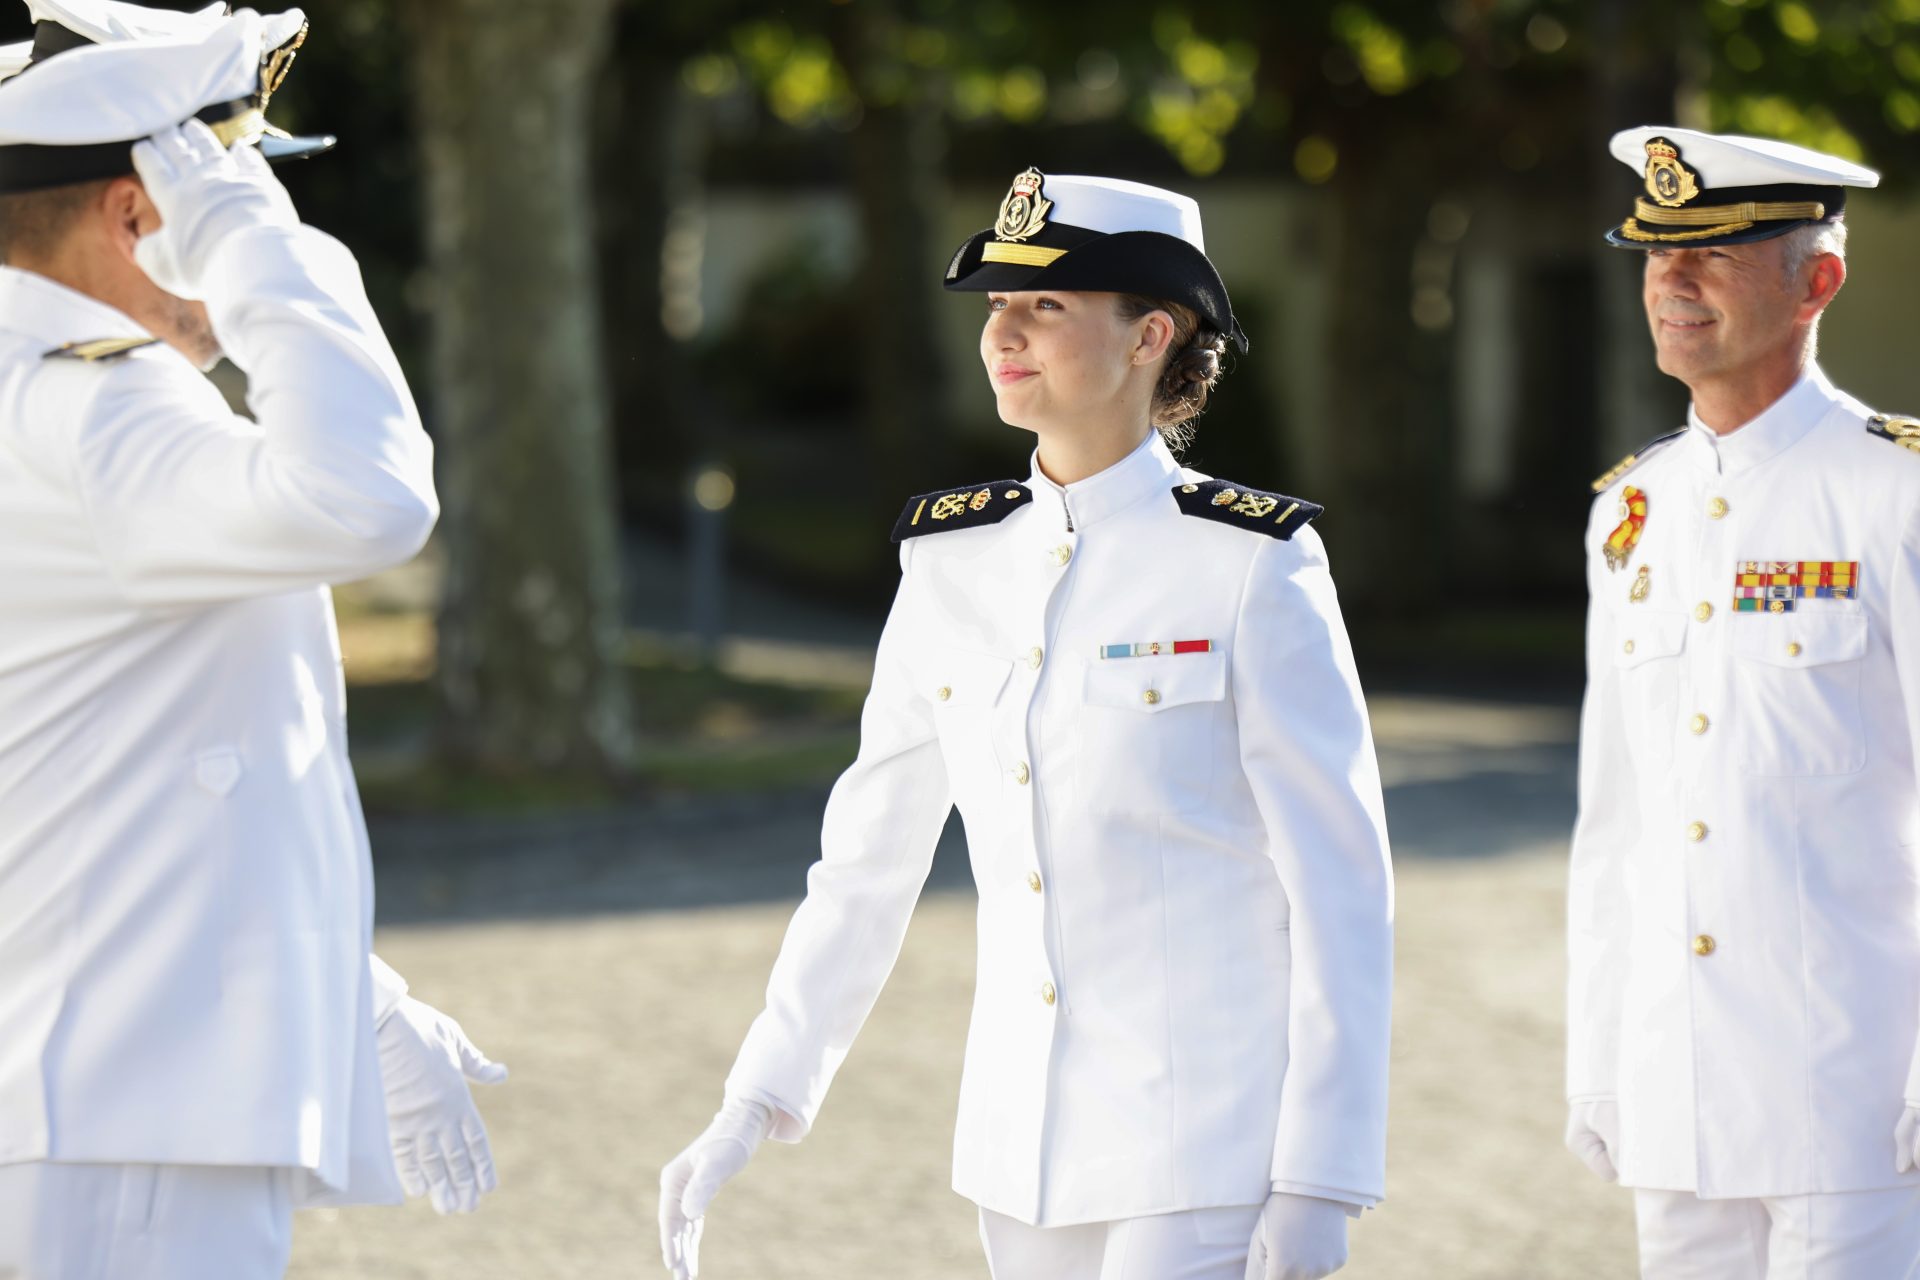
(1024, 212)
(1669, 182)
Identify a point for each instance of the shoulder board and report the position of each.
(1274, 514)
(100, 350)
(1904, 432)
(960, 508)
(1634, 459)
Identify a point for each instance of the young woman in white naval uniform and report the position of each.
(1134, 682)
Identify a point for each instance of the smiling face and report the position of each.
(1059, 360)
(1733, 311)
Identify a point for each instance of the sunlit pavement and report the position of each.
(614, 962)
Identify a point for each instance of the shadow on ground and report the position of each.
(1463, 779)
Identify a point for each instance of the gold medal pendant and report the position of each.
(1626, 535)
(1642, 584)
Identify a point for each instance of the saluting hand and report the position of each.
(440, 1145)
(1299, 1238)
(691, 1180)
(204, 194)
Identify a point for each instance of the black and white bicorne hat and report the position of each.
(1102, 235)
(1704, 189)
(66, 28)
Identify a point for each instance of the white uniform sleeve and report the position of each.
(876, 847)
(1606, 828)
(1307, 750)
(335, 480)
(388, 988)
(1905, 610)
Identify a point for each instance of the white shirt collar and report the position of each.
(1149, 467)
(1779, 425)
(48, 311)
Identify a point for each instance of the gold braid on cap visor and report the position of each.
(1023, 255)
(1715, 219)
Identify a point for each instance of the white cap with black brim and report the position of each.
(1100, 235)
(63, 26)
(58, 126)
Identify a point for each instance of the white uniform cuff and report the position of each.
(388, 989)
(1356, 1201)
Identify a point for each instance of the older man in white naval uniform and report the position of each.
(194, 1039)
(1744, 918)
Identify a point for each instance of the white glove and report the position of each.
(1299, 1238)
(1593, 1134)
(439, 1143)
(691, 1180)
(204, 193)
(1906, 1140)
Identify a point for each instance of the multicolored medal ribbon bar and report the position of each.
(1633, 518)
(1773, 586)
(1154, 648)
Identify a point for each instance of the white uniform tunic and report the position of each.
(1185, 892)
(185, 889)
(1745, 928)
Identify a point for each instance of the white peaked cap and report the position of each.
(105, 21)
(155, 84)
(1112, 205)
(1729, 160)
(113, 21)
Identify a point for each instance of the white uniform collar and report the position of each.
(50, 312)
(1780, 424)
(1150, 467)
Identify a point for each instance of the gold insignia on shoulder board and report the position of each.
(1904, 432)
(1024, 212)
(1669, 182)
(952, 504)
(1226, 497)
(100, 349)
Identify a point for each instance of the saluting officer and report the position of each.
(194, 1038)
(1134, 682)
(1744, 919)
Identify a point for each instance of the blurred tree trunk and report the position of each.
(650, 149)
(530, 629)
(1636, 81)
(896, 151)
(1389, 393)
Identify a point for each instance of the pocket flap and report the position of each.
(1154, 684)
(1803, 638)
(217, 771)
(1641, 635)
(965, 678)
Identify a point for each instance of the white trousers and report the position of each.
(1859, 1235)
(1199, 1244)
(144, 1222)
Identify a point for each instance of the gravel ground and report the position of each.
(614, 963)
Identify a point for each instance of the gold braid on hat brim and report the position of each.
(1715, 219)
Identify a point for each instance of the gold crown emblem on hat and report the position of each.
(1669, 182)
(1024, 212)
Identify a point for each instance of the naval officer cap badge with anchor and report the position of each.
(73, 115)
(1699, 190)
(1097, 235)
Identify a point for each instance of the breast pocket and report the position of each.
(966, 687)
(1148, 732)
(1646, 654)
(1797, 692)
